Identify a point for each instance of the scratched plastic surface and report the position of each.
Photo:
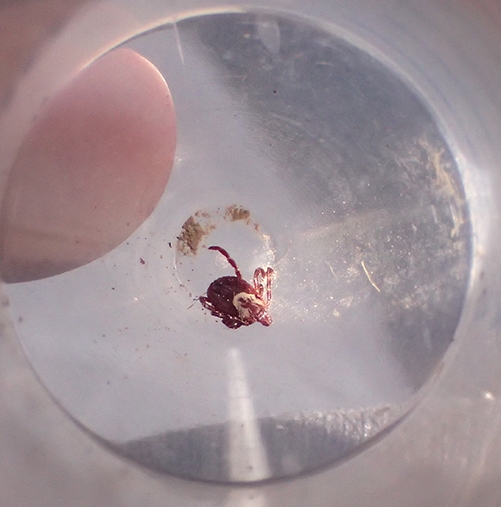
(298, 151)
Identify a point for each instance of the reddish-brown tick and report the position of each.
(237, 302)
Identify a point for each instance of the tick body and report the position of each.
(236, 301)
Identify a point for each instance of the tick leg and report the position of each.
(266, 277)
(258, 286)
(205, 303)
(209, 306)
(228, 258)
(232, 322)
(228, 320)
(269, 275)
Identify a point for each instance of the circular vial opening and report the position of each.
(298, 152)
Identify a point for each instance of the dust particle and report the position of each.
(191, 235)
(236, 212)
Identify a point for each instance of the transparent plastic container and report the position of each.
(347, 146)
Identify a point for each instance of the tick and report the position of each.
(237, 302)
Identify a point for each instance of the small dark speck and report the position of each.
(20, 319)
(274, 91)
(108, 382)
(113, 288)
(170, 244)
(141, 260)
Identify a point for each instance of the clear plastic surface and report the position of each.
(299, 152)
